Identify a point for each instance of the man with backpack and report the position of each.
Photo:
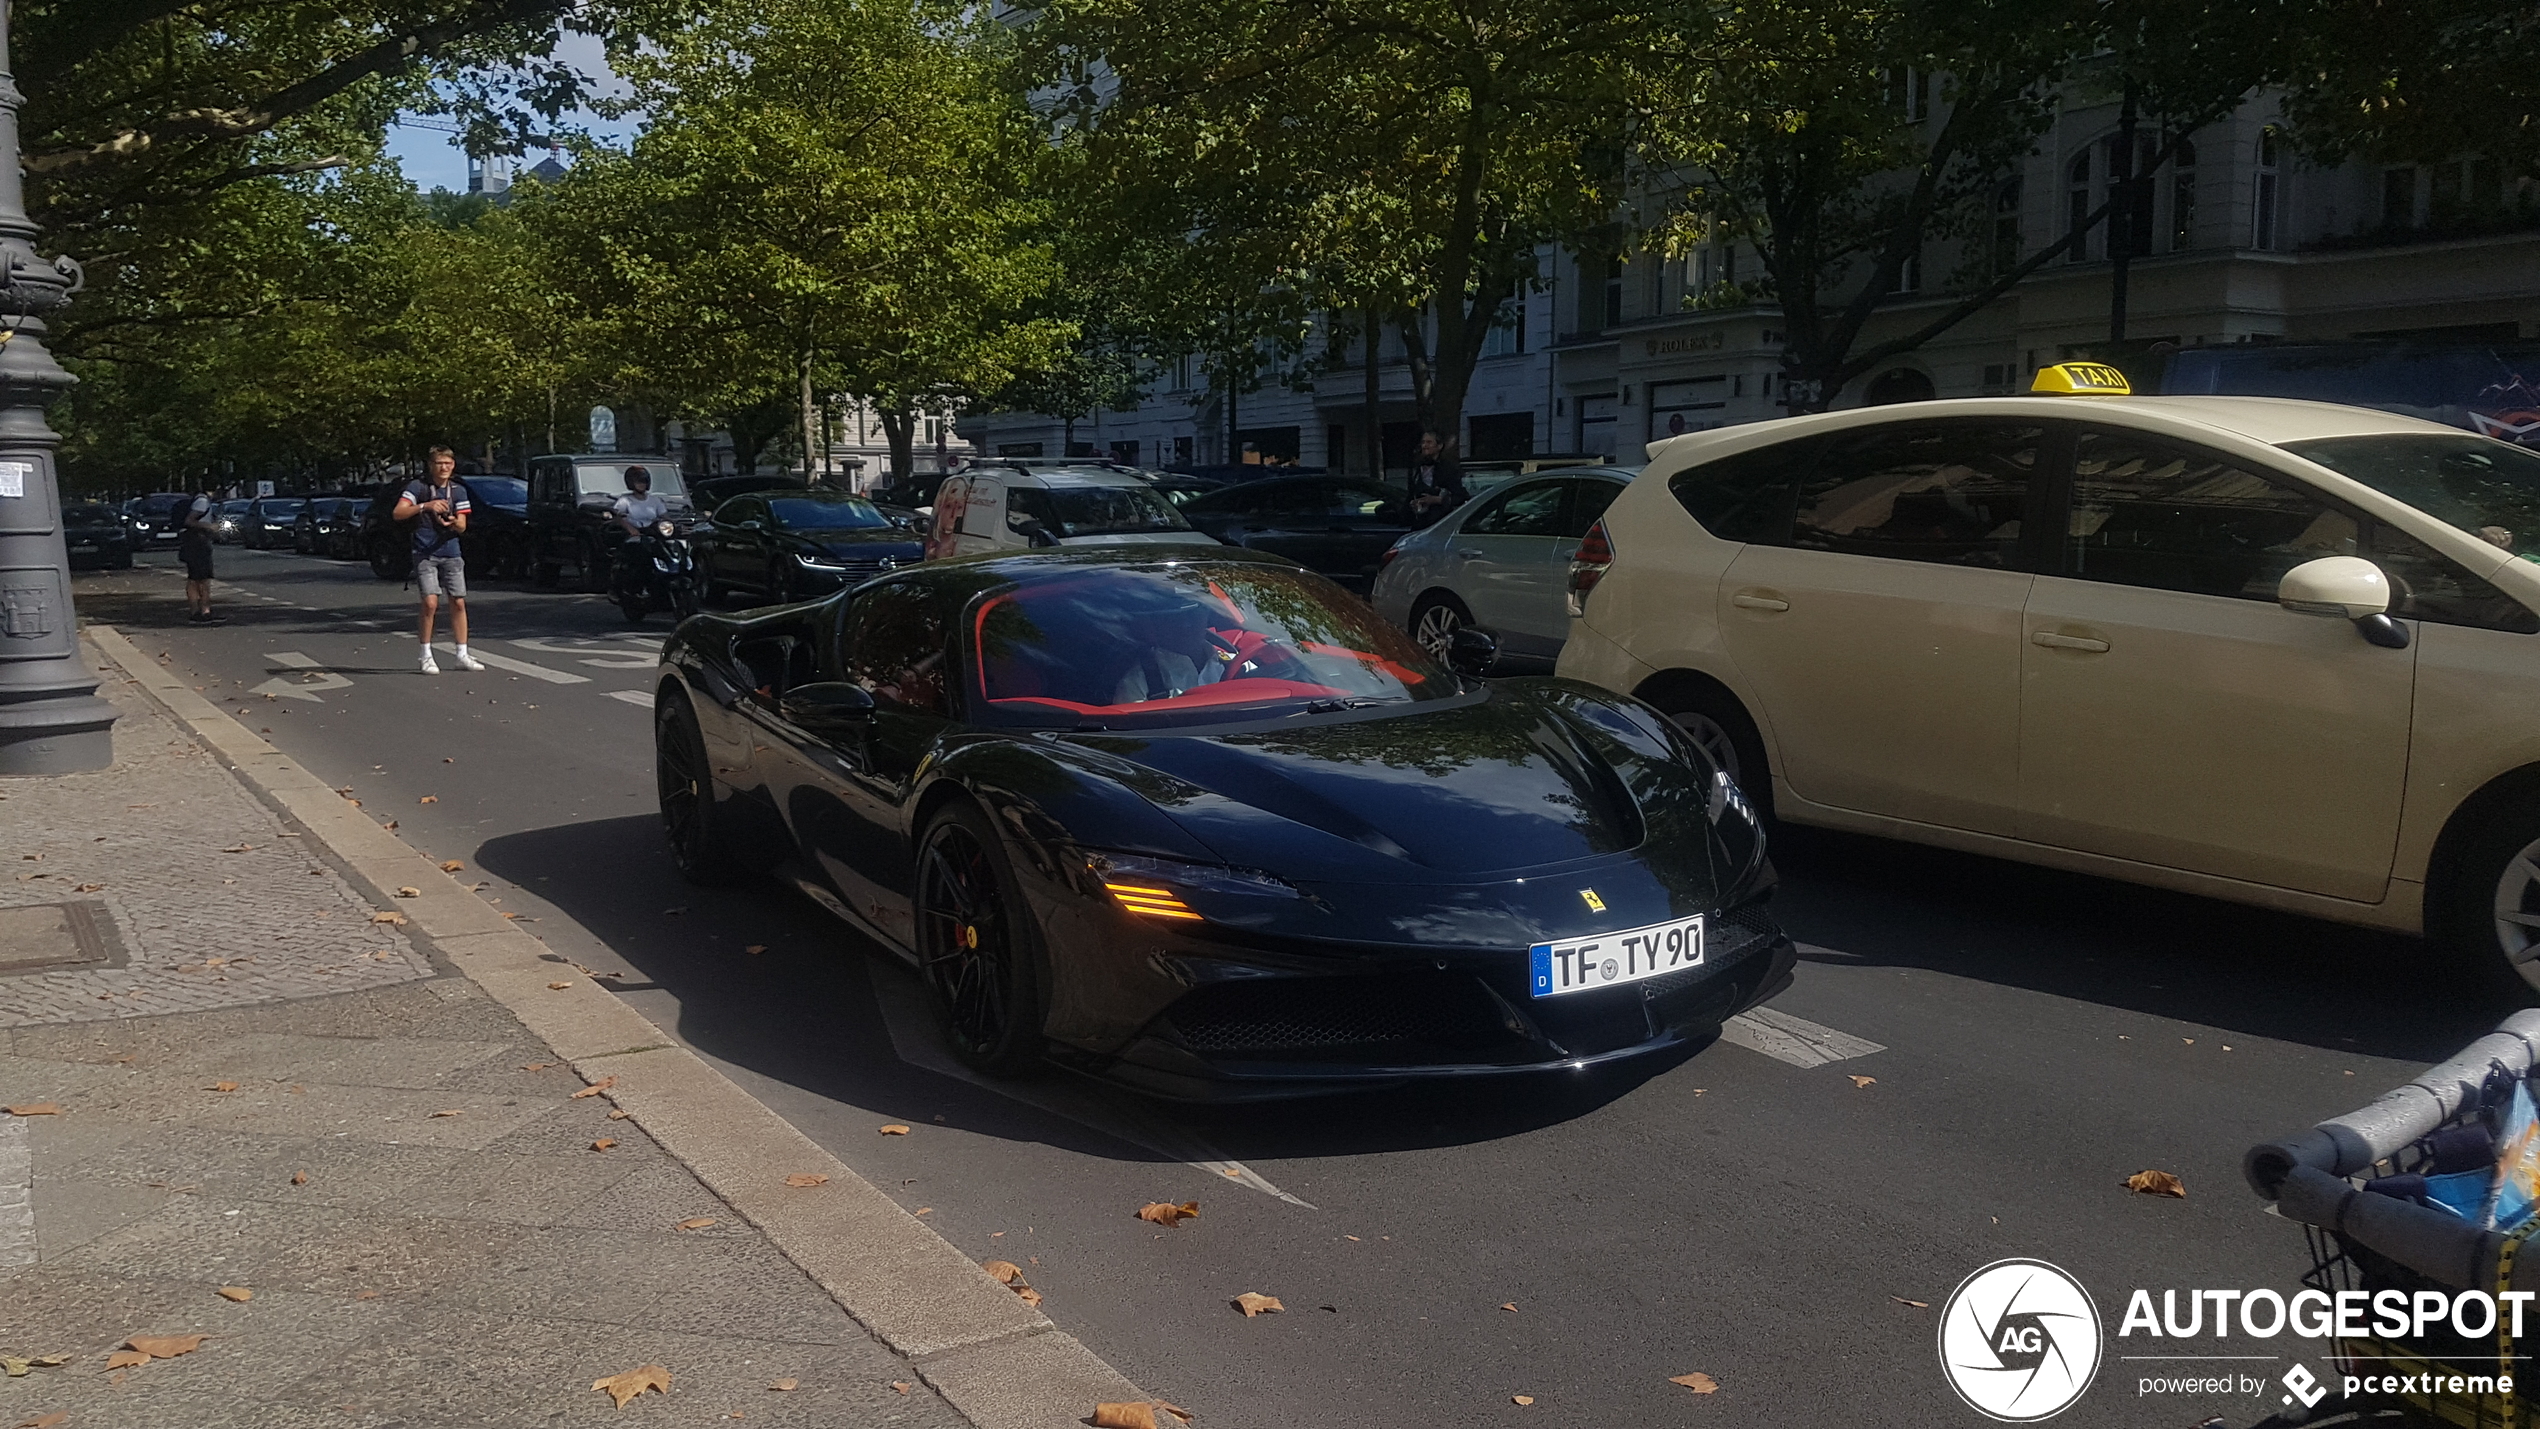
(437, 507)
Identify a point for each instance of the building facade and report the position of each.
(2241, 243)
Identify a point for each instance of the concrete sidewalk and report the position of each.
(241, 1108)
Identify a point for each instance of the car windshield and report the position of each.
(500, 490)
(88, 513)
(826, 512)
(282, 510)
(610, 480)
(1066, 511)
(232, 508)
(356, 508)
(2488, 488)
(1178, 644)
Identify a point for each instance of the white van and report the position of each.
(1005, 508)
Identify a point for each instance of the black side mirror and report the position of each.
(1472, 652)
(828, 707)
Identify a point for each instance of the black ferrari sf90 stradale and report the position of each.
(1197, 821)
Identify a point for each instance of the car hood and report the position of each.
(1515, 780)
(861, 543)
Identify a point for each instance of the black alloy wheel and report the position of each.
(977, 946)
(1715, 721)
(1434, 622)
(686, 783)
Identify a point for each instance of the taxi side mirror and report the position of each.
(2345, 588)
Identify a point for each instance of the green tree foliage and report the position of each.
(2419, 79)
(828, 196)
(1406, 155)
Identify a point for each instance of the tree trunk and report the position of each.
(1234, 443)
(1375, 399)
(899, 428)
(810, 420)
(2122, 192)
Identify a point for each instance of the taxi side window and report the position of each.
(1588, 500)
(895, 643)
(2424, 585)
(2165, 516)
(1533, 510)
(1747, 497)
(1951, 493)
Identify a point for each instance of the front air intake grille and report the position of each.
(1400, 1017)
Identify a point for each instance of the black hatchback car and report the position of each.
(1337, 525)
(1200, 823)
(96, 536)
(795, 543)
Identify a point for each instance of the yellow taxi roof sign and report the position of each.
(2081, 379)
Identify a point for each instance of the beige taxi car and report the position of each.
(2285, 653)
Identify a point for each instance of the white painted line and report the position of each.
(912, 1027)
(1795, 1040)
(505, 662)
(612, 659)
(17, 1194)
(302, 686)
(633, 697)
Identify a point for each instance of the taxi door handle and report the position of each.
(1746, 601)
(2053, 641)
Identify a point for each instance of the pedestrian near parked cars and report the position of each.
(194, 548)
(1437, 481)
(438, 506)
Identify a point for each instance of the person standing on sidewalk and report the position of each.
(438, 507)
(194, 547)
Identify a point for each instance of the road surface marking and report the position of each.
(505, 662)
(1795, 1040)
(300, 687)
(619, 662)
(633, 697)
(911, 1023)
(17, 1194)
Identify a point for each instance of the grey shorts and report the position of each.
(442, 575)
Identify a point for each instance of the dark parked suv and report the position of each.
(569, 500)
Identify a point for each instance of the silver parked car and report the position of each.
(1500, 562)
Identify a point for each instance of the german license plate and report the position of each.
(1611, 959)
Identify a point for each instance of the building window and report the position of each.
(2006, 225)
(1507, 335)
(2399, 198)
(1613, 292)
(2183, 197)
(2123, 170)
(1182, 451)
(1907, 91)
(2077, 208)
(1909, 275)
(2262, 228)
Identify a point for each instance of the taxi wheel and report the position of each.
(1716, 722)
(1435, 620)
(977, 945)
(2494, 912)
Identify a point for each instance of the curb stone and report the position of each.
(999, 1362)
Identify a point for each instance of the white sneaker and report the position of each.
(465, 661)
(428, 666)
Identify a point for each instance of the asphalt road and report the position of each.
(2041, 1036)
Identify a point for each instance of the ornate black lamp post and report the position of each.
(51, 720)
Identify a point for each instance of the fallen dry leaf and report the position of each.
(1165, 1213)
(558, 986)
(625, 1387)
(223, 1087)
(1136, 1414)
(801, 1179)
(1510, 1307)
(783, 1385)
(429, 799)
(755, 948)
(409, 891)
(452, 1111)
(33, 1109)
(396, 919)
(620, 1114)
(1253, 1303)
(95, 887)
(2156, 1183)
(451, 865)
(694, 1223)
(126, 1359)
(895, 1129)
(923, 1211)
(299, 1178)
(235, 1294)
(1917, 1304)
(537, 1066)
(1860, 1081)
(165, 1347)
(1697, 1381)
(604, 1143)
(1003, 1272)
(1521, 1399)
(593, 1090)
(44, 1421)
(901, 1385)
(1029, 1296)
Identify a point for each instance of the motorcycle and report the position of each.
(655, 569)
